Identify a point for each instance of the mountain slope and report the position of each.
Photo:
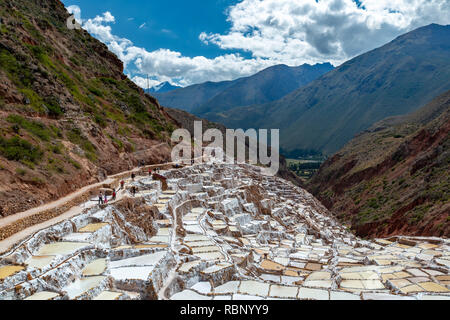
(163, 87)
(268, 85)
(68, 114)
(191, 97)
(392, 80)
(393, 178)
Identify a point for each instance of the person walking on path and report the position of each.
(114, 194)
(122, 184)
(150, 172)
(100, 198)
(133, 176)
(106, 199)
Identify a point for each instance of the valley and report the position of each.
(93, 205)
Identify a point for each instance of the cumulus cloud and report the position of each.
(142, 82)
(292, 32)
(297, 31)
(167, 65)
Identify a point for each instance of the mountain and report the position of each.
(163, 87)
(191, 97)
(393, 178)
(69, 115)
(395, 79)
(267, 85)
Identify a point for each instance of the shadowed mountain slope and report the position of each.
(395, 79)
(393, 178)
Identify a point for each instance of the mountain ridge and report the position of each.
(163, 87)
(69, 115)
(266, 85)
(393, 178)
(394, 79)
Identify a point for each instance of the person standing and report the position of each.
(122, 184)
(106, 199)
(114, 194)
(100, 198)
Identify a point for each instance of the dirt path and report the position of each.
(8, 243)
(11, 241)
(10, 219)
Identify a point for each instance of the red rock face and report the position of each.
(394, 180)
(74, 104)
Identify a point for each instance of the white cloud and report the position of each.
(142, 82)
(297, 31)
(167, 65)
(292, 32)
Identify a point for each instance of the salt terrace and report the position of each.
(219, 232)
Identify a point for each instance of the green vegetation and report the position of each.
(418, 213)
(373, 203)
(75, 164)
(55, 165)
(17, 71)
(53, 108)
(117, 143)
(17, 149)
(35, 128)
(304, 168)
(21, 171)
(76, 137)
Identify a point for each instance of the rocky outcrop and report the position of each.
(393, 179)
(68, 115)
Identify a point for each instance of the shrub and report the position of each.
(100, 120)
(373, 203)
(74, 163)
(96, 91)
(17, 149)
(18, 72)
(21, 171)
(35, 128)
(54, 109)
(75, 136)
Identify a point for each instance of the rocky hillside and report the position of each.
(394, 178)
(68, 114)
(395, 79)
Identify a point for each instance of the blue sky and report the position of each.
(168, 24)
(188, 42)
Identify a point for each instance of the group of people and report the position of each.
(103, 198)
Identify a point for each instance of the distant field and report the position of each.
(298, 161)
(304, 168)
